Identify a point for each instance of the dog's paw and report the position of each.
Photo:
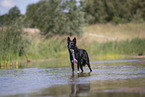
(91, 70)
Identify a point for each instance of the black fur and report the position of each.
(79, 56)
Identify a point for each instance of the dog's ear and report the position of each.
(68, 39)
(74, 40)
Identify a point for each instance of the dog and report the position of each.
(79, 56)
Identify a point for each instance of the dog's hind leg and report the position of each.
(89, 66)
(81, 66)
(87, 61)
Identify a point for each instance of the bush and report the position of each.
(118, 20)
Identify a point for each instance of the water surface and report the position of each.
(120, 78)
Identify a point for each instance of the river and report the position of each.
(114, 78)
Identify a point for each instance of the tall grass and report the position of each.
(54, 47)
(12, 44)
(116, 49)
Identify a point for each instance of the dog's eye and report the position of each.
(71, 43)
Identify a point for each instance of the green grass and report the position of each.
(128, 39)
(54, 47)
(13, 43)
(115, 32)
(131, 42)
(9, 45)
(57, 48)
(117, 49)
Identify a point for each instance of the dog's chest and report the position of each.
(73, 55)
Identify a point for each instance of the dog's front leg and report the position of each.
(72, 62)
(72, 65)
(78, 66)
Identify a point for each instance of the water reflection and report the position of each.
(76, 88)
(8, 66)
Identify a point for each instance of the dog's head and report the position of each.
(71, 44)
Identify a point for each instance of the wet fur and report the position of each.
(79, 56)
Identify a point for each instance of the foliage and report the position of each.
(62, 17)
(118, 11)
(12, 16)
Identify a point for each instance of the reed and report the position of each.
(12, 41)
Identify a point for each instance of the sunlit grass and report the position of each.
(116, 32)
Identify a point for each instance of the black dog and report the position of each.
(79, 56)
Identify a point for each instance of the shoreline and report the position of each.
(53, 59)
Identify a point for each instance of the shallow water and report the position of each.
(109, 78)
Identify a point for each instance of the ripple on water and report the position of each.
(27, 80)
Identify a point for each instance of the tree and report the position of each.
(14, 12)
(95, 10)
(118, 11)
(53, 17)
(12, 16)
